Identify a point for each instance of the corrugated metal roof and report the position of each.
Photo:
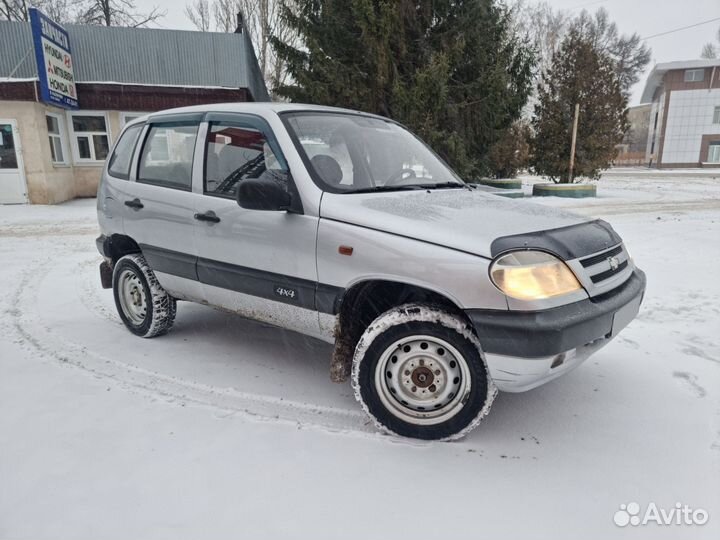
(143, 56)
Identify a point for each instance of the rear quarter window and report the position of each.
(121, 158)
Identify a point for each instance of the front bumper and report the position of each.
(526, 349)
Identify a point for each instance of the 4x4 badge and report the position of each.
(285, 292)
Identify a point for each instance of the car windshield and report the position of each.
(355, 153)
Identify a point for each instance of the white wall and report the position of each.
(690, 116)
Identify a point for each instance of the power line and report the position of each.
(683, 28)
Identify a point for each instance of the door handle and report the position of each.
(208, 216)
(135, 204)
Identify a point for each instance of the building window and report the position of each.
(167, 156)
(714, 152)
(90, 141)
(694, 75)
(55, 127)
(716, 115)
(127, 117)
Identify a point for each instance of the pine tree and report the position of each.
(453, 71)
(511, 151)
(579, 74)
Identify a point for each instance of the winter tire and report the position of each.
(419, 372)
(144, 306)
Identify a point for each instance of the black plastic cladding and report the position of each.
(566, 243)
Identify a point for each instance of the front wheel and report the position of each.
(418, 371)
(143, 305)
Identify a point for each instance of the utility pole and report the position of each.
(572, 146)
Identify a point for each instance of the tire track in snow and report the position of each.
(26, 323)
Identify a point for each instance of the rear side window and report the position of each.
(167, 156)
(121, 158)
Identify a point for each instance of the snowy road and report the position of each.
(227, 427)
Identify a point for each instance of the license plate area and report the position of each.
(624, 315)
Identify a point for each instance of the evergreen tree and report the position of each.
(579, 74)
(453, 71)
(511, 152)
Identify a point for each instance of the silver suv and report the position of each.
(345, 226)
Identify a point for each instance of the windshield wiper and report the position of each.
(373, 189)
(409, 187)
(439, 185)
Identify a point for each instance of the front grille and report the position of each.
(603, 271)
(590, 261)
(602, 276)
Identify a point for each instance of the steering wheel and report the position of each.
(397, 178)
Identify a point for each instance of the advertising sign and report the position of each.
(54, 61)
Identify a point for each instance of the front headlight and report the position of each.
(532, 275)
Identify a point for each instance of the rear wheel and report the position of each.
(419, 372)
(143, 305)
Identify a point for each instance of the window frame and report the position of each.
(694, 71)
(711, 145)
(124, 117)
(240, 121)
(716, 115)
(93, 161)
(62, 136)
(141, 129)
(145, 135)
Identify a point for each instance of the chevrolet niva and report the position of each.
(345, 226)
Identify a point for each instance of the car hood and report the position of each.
(457, 218)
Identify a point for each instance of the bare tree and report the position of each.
(628, 53)
(710, 49)
(116, 13)
(262, 19)
(225, 14)
(58, 10)
(13, 10)
(199, 14)
(547, 27)
(17, 10)
(544, 26)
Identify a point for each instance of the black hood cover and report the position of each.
(567, 243)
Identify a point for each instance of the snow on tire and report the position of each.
(419, 372)
(144, 306)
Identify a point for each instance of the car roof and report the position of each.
(251, 107)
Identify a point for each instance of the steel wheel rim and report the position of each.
(422, 380)
(132, 297)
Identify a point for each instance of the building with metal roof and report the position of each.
(49, 153)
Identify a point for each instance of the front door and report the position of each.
(13, 189)
(258, 263)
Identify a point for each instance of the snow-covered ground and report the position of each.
(229, 428)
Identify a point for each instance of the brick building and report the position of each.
(684, 127)
(49, 155)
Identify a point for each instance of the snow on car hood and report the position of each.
(457, 218)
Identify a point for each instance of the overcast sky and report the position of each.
(646, 17)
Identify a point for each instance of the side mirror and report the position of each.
(263, 194)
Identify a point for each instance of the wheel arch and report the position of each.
(119, 245)
(364, 301)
